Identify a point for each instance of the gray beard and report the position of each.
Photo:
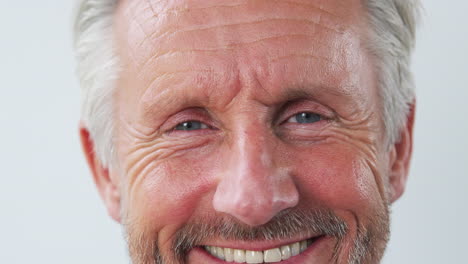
(367, 247)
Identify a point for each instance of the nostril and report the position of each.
(255, 205)
(250, 211)
(255, 195)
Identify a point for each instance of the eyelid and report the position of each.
(294, 108)
(191, 114)
(294, 115)
(204, 125)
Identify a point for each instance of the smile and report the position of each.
(271, 255)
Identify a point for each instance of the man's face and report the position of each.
(249, 125)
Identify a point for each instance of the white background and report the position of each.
(51, 213)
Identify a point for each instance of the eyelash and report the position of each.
(206, 126)
(203, 124)
(320, 117)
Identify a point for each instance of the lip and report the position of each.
(200, 255)
(256, 245)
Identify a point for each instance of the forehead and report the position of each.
(205, 44)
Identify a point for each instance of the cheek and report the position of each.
(172, 190)
(339, 178)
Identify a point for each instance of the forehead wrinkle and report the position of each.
(234, 46)
(132, 27)
(153, 59)
(305, 55)
(165, 75)
(141, 24)
(180, 12)
(203, 95)
(185, 53)
(201, 29)
(200, 94)
(139, 12)
(150, 5)
(131, 53)
(229, 46)
(231, 29)
(270, 54)
(331, 73)
(333, 63)
(312, 6)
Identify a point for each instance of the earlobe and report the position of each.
(400, 157)
(106, 183)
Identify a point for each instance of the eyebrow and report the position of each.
(314, 92)
(298, 93)
(167, 102)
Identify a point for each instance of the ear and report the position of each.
(106, 182)
(400, 157)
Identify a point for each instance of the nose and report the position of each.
(252, 188)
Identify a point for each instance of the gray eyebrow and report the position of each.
(313, 92)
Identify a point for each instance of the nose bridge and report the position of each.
(254, 154)
(252, 187)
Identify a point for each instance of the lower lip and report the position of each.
(199, 255)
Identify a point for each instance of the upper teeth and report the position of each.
(267, 256)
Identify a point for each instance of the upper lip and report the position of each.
(256, 245)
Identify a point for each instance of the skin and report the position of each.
(245, 69)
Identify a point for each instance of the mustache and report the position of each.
(286, 225)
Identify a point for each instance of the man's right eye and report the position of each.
(190, 126)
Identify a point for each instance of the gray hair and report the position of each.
(390, 42)
(97, 70)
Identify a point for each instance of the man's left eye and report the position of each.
(190, 126)
(305, 118)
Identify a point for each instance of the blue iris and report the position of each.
(190, 126)
(307, 118)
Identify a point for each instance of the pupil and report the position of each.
(307, 118)
(189, 125)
